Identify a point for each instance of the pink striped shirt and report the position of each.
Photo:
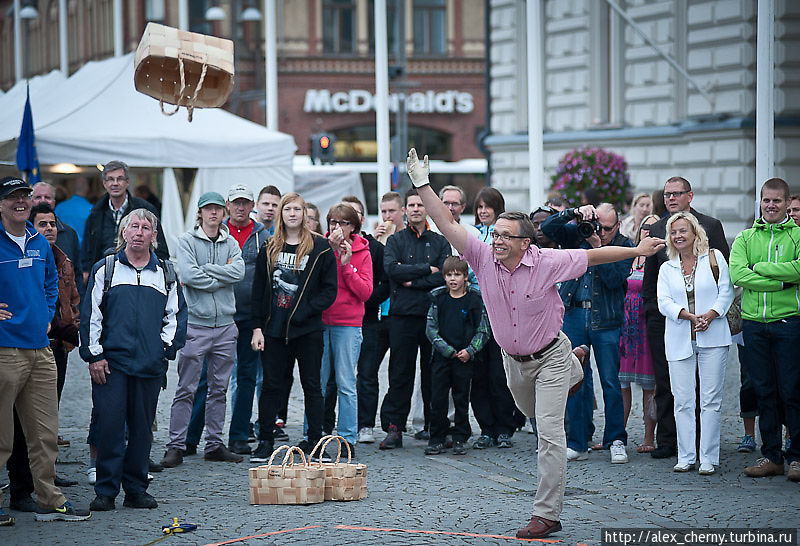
(524, 308)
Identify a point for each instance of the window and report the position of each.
(339, 26)
(197, 16)
(359, 143)
(429, 27)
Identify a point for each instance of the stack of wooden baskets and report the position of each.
(305, 482)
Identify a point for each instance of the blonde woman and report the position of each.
(694, 300)
(641, 206)
(294, 282)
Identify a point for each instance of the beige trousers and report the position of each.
(540, 389)
(28, 381)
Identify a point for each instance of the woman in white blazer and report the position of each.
(696, 336)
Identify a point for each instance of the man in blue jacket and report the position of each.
(594, 310)
(29, 288)
(133, 319)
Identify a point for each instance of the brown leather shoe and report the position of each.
(764, 467)
(582, 352)
(539, 527)
(62, 442)
(794, 471)
(172, 458)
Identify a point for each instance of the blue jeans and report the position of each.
(577, 326)
(342, 345)
(248, 364)
(776, 379)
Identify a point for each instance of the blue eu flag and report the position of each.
(27, 160)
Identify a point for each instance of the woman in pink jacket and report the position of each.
(342, 320)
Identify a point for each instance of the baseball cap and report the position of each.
(239, 191)
(10, 184)
(210, 198)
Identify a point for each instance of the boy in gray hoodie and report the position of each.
(209, 265)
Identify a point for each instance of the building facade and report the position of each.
(325, 63)
(604, 86)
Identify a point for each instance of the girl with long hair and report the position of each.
(294, 282)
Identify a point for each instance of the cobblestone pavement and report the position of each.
(488, 492)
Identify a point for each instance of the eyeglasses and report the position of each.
(339, 222)
(506, 236)
(668, 194)
(117, 179)
(601, 227)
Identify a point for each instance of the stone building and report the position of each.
(604, 86)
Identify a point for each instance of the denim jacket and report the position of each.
(609, 281)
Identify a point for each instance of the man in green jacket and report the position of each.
(765, 262)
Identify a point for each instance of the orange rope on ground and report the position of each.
(264, 535)
(423, 532)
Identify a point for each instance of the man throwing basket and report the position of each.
(518, 286)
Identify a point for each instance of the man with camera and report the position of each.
(594, 310)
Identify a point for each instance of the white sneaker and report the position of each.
(365, 436)
(573, 455)
(706, 469)
(618, 455)
(92, 474)
(528, 427)
(149, 477)
(683, 467)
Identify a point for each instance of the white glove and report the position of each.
(418, 172)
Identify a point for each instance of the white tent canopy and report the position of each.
(96, 115)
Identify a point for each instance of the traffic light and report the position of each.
(322, 148)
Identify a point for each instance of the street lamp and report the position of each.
(28, 12)
(215, 13)
(251, 13)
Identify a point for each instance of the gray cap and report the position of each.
(240, 191)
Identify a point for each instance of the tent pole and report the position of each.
(382, 99)
(183, 14)
(765, 107)
(17, 42)
(271, 64)
(535, 125)
(63, 50)
(118, 28)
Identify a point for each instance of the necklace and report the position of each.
(688, 278)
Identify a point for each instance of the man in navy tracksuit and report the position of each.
(28, 294)
(130, 327)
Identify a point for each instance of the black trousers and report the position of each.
(277, 360)
(450, 374)
(666, 433)
(123, 456)
(492, 403)
(406, 336)
(20, 479)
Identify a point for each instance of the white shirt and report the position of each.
(19, 240)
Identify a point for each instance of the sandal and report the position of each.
(645, 448)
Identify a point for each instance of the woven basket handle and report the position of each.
(339, 440)
(319, 445)
(290, 455)
(193, 100)
(276, 452)
(180, 94)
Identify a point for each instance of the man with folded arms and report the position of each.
(518, 285)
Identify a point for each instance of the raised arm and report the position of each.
(607, 254)
(438, 212)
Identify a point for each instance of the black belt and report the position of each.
(537, 355)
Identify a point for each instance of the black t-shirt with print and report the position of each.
(285, 284)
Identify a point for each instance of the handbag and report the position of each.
(289, 483)
(734, 314)
(183, 68)
(344, 481)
